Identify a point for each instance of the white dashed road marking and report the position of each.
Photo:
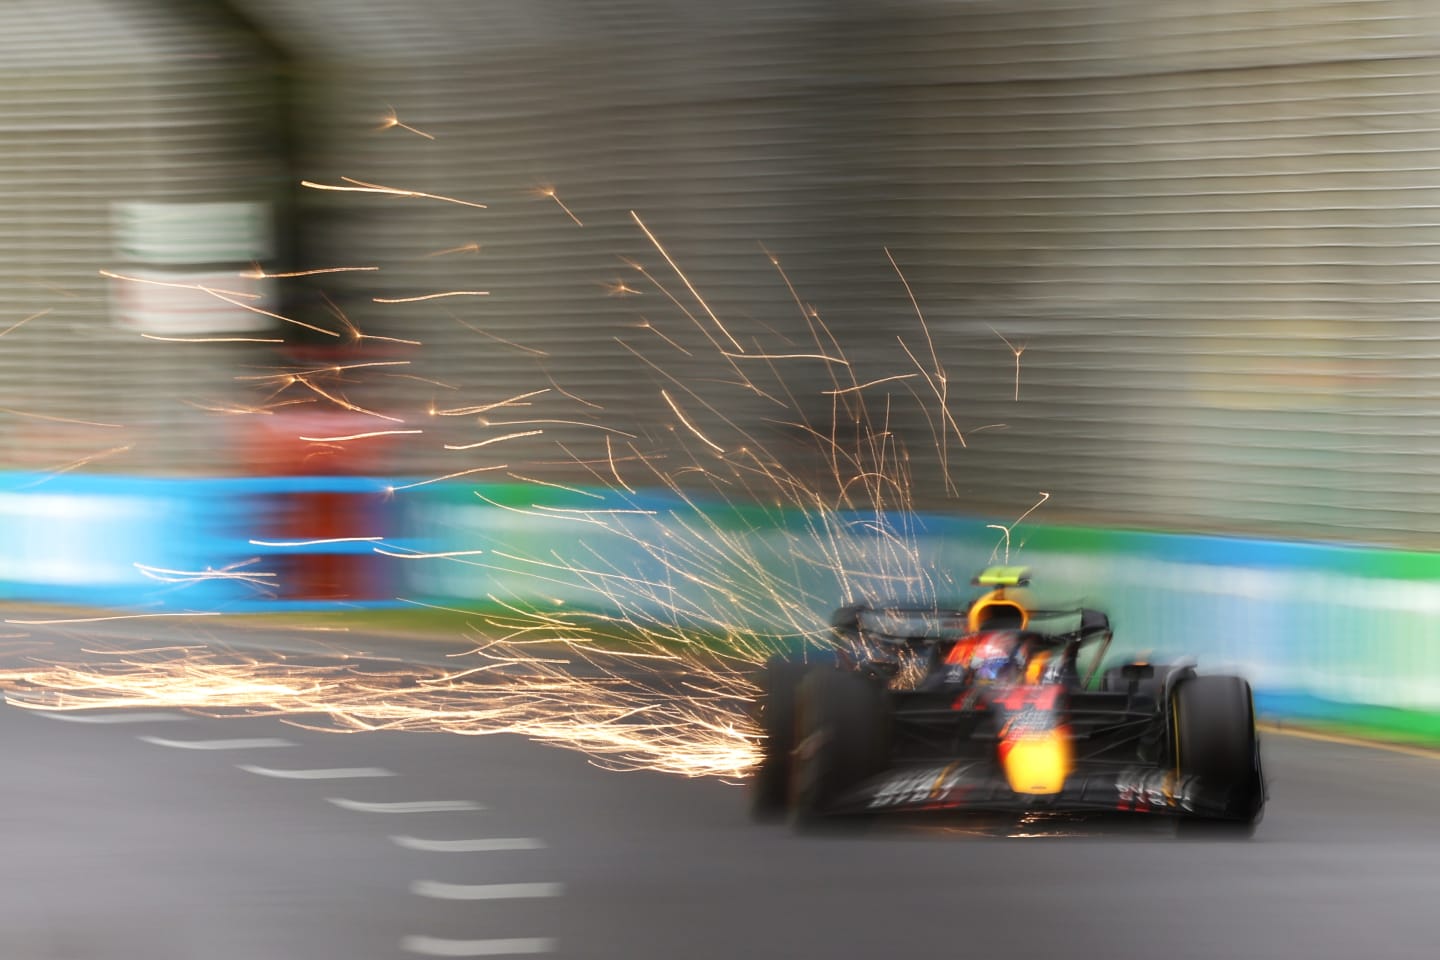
(412, 806)
(141, 717)
(415, 944)
(253, 744)
(484, 891)
(439, 947)
(469, 846)
(337, 773)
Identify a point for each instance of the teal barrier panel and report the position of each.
(1323, 630)
(1306, 622)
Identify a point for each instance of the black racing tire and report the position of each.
(775, 712)
(843, 738)
(1213, 720)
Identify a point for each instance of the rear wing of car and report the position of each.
(911, 622)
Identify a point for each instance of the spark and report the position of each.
(640, 647)
(515, 401)
(235, 298)
(433, 296)
(341, 401)
(471, 247)
(236, 409)
(448, 476)
(1043, 497)
(509, 343)
(360, 186)
(593, 512)
(256, 272)
(354, 331)
(486, 443)
(20, 323)
(183, 648)
(214, 291)
(674, 300)
(230, 572)
(647, 325)
(49, 419)
(557, 486)
(1017, 359)
(330, 368)
(624, 726)
(1008, 529)
(788, 356)
(156, 336)
(1004, 530)
(615, 470)
(690, 426)
(392, 120)
(360, 436)
(570, 396)
(866, 386)
(425, 380)
(569, 423)
(550, 192)
(805, 313)
(270, 313)
(685, 280)
(110, 617)
(935, 378)
(77, 464)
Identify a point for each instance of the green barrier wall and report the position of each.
(1326, 632)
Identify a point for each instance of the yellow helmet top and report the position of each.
(1005, 606)
(997, 610)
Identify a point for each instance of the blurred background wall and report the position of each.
(108, 107)
(1211, 227)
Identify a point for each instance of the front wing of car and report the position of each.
(977, 786)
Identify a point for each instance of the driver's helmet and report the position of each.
(995, 656)
(1000, 610)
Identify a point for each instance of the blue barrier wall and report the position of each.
(175, 544)
(1317, 627)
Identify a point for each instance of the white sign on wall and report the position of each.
(186, 268)
(221, 232)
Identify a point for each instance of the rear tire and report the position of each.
(843, 738)
(1214, 729)
(775, 711)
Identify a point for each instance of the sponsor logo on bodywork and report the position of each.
(1028, 723)
(915, 786)
(1141, 789)
(969, 701)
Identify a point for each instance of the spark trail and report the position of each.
(691, 557)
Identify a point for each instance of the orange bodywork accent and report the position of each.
(961, 652)
(987, 607)
(1036, 667)
(1013, 602)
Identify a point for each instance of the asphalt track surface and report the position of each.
(127, 848)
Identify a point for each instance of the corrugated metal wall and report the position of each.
(709, 123)
(1214, 227)
(1211, 227)
(106, 103)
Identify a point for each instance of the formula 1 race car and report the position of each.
(983, 707)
